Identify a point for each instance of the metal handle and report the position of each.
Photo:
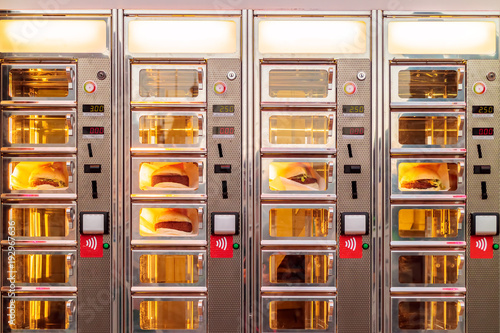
(330, 172)
(70, 261)
(461, 219)
(70, 216)
(70, 74)
(330, 217)
(331, 120)
(70, 120)
(200, 218)
(70, 309)
(461, 173)
(200, 78)
(200, 311)
(200, 172)
(330, 78)
(200, 125)
(462, 261)
(200, 264)
(462, 308)
(330, 310)
(331, 259)
(461, 128)
(460, 80)
(70, 166)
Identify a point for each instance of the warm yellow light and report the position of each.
(181, 36)
(53, 36)
(337, 37)
(456, 37)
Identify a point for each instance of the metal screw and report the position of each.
(361, 76)
(231, 75)
(491, 76)
(101, 75)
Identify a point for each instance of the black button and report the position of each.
(224, 189)
(484, 192)
(354, 186)
(92, 168)
(222, 168)
(482, 169)
(219, 146)
(352, 168)
(349, 150)
(94, 189)
(89, 146)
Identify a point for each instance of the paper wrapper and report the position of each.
(284, 184)
(440, 168)
(146, 173)
(149, 216)
(19, 179)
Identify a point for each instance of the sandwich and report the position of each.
(170, 176)
(421, 178)
(48, 176)
(299, 174)
(173, 220)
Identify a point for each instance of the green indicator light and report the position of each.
(496, 246)
(236, 246)
(105, 245)
(365, 246)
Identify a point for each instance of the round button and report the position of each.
(236, 246)
(349, 88)
(495, 246)
(231, 75)
(220, 87)
(89, 87)
(366, 246)
(361, 76)
(479, 88)
(105, 245)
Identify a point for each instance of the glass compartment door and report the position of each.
(47, 131)
(438, 86)
(39, 83)
(299, 85)
(288, 131)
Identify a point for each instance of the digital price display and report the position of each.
(353, 109)
(93, 131)
(97, 109)
(482, 131)
(483, 109)
(223, 131)
(223, 109)
(353, 131)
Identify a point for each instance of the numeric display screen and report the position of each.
(483, 109)
(93, 108)
(223, 130)
(482, 131)
(93, 130)
(353, 131)
(353, 109)
(223, 109)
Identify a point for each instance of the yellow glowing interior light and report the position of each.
(182, 36)
(457, 37)
(344, 37)
(53, 36)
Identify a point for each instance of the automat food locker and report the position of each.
(58, 150)
(441, 172)
(312, 141)
(183, 113)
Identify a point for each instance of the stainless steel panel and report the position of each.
(327, 237)
(427, 272)
(428, 147)
(16, 225)
(197, 268)
(34, 269)
(16, 177)
(198, 125)
(309, 146)
(196, 212)
(267, 99)
(299, 267)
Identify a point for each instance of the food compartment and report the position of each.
(428, 271)
(179, 84)
(299, 85)
(428, 225)
(168, 177)
(298, 224)
(282, 313)
(169, 224)
(43, 177)
(39, 83)
(426, 132)
(50, 314)
(298, 177)
(428, 314)
(170, 314)
(438, 85)
(169, 270)
(428, 178)
(168, 131)
(304, 270)
(47, 131)
(290, 131)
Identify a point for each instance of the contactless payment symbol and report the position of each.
(91, 246)
(481, 247)
(351, 247)
(221, 246)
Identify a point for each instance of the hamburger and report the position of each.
(48, 177)
(421, 178)
(299, 174)
(172, 220)
(170, 176)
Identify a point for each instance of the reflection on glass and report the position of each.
(38, 315)
(168, 83)
(38, 82)
(428, 223)
(170, 268)
(298, 176)
(166, 129)
(293, 268)
(429, 315)
(420, 83)
(294, 130)
(169, 315)
(162, 176)
(168, 222)
(428, 176)
(299, 315)
(428, 130)
(298, 83)
(41, 268)
(298, 222)
(36, 129)
(38, 176)
(37, 222)
(429, 269)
